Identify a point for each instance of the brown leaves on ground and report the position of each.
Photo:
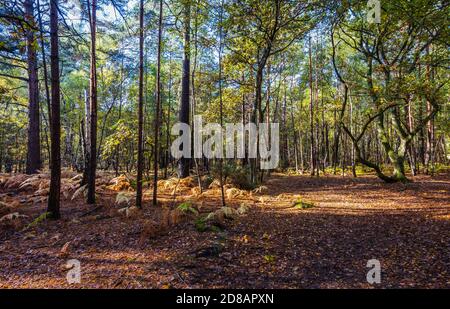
(120, 183)
(65, 250)
(267, 243)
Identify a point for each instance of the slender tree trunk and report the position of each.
(353, 146)
(311, 115)
(194, 98)
(117, 156)
(412, 148)
(284, 120)
(34, 143)
(245, 159)
(295, 139)
(169, 97)
(184, 163)
(87, 137)
(317, 111)
(93, 101)
(158, 103)
(140, 160)
(221, 101)
(55, 180)
(335, 143)
(430, 141)
(44, 65)
(46, 135)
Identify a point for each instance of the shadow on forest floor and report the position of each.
(274, 245)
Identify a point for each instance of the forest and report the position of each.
(95, 192)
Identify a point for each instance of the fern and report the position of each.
(302, 204)
(228, 212)
(243, 208)
(201, 224)
(78, 192)
(123, 198)
(42, 217)
(187, 207)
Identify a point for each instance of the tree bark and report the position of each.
(312, 161)
(93, 105)
(158, 103)
(44, 65)
(87, 137)
(221, 102)
(55, 180)
(34, 143)
(169, 97)
(184, 163)
(140, 160)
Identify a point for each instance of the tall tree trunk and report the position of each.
(55, 180)
(34, 143)
(221, 102)
(169, 97)
(117, 156)
(352, 130)
(93, 101)
(284, 143)
(430, 140)
(140, 159)
(193, 100)
(412, 148)
(158, 103)
(245, 159)
(336, 136)
(44, 65)
(312, 161)
(87, 137)
(184, 163)
(295, 138)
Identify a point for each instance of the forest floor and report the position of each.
(273, 244)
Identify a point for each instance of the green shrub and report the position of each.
(299, 203)
(236, 175)
(187, 207)
(203, 224)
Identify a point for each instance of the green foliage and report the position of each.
(236, 175)
(121, 135)
(187, 207)
(400, 75)
(213, 221)
(201, 224)
(269, 258)
(441, 168)
(207, 223)
(42, 217)
(301, 204)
